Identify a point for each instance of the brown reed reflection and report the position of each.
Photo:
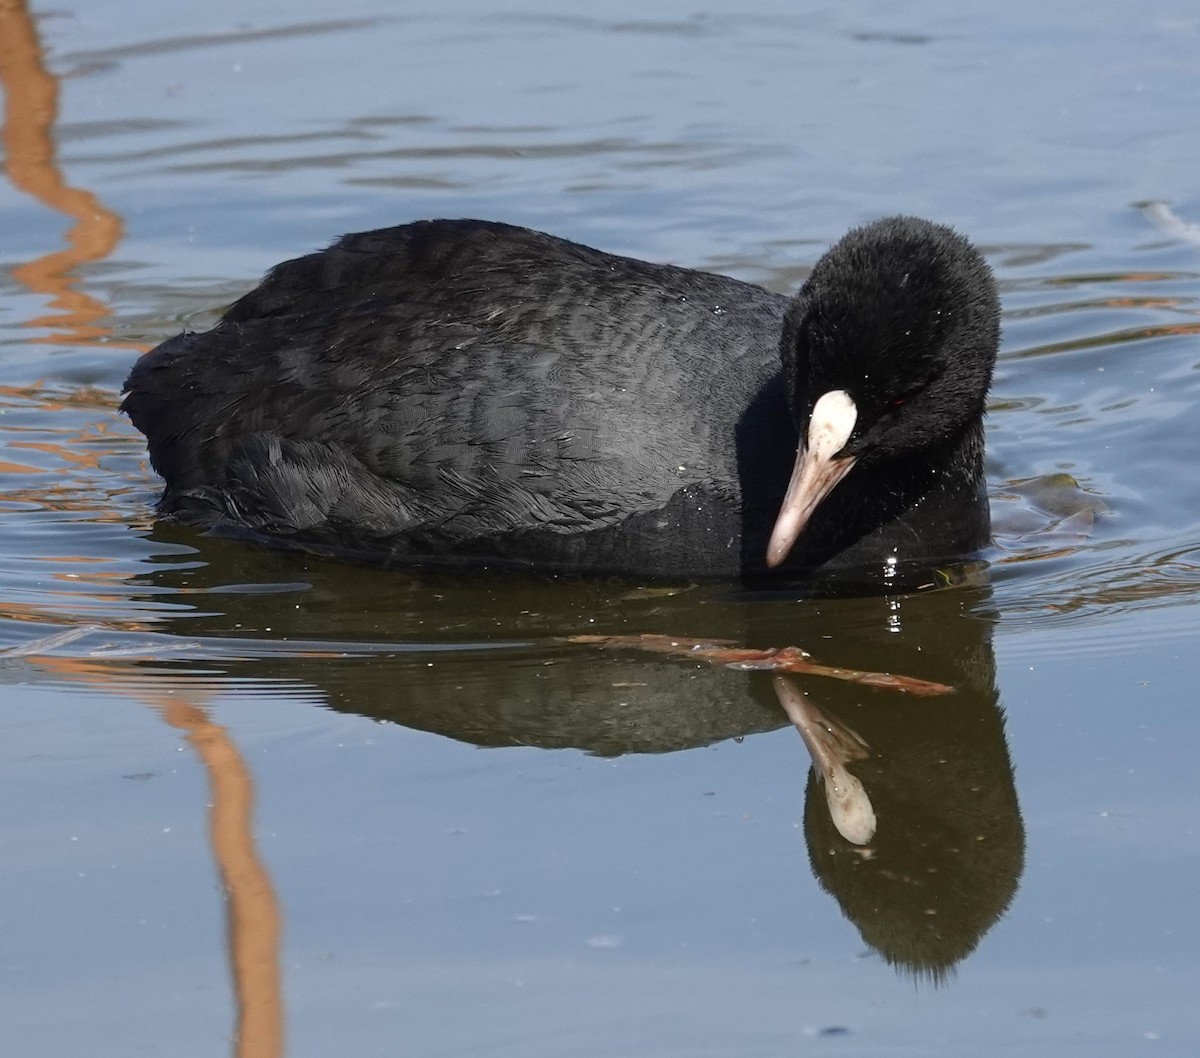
(30, 112)
(255, 921)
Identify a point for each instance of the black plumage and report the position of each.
(471, 392)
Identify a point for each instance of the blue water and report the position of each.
(635, 862)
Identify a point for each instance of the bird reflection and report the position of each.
(832, 746)
(911, 814)
(946, 855)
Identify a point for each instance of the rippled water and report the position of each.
(643, 862)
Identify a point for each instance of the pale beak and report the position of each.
(818, 469)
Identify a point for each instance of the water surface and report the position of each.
(467, 836)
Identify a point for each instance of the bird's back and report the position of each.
(470, 391)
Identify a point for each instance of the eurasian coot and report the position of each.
(472, 393)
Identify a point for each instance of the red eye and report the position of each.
(898, 402)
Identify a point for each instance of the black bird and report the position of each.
(470, 393)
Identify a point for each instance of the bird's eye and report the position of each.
(906, 396)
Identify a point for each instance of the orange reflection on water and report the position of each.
(254, 916)
(90, 397)
(30, 111)
(17, 468)
(255, 922)
(59, 468)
